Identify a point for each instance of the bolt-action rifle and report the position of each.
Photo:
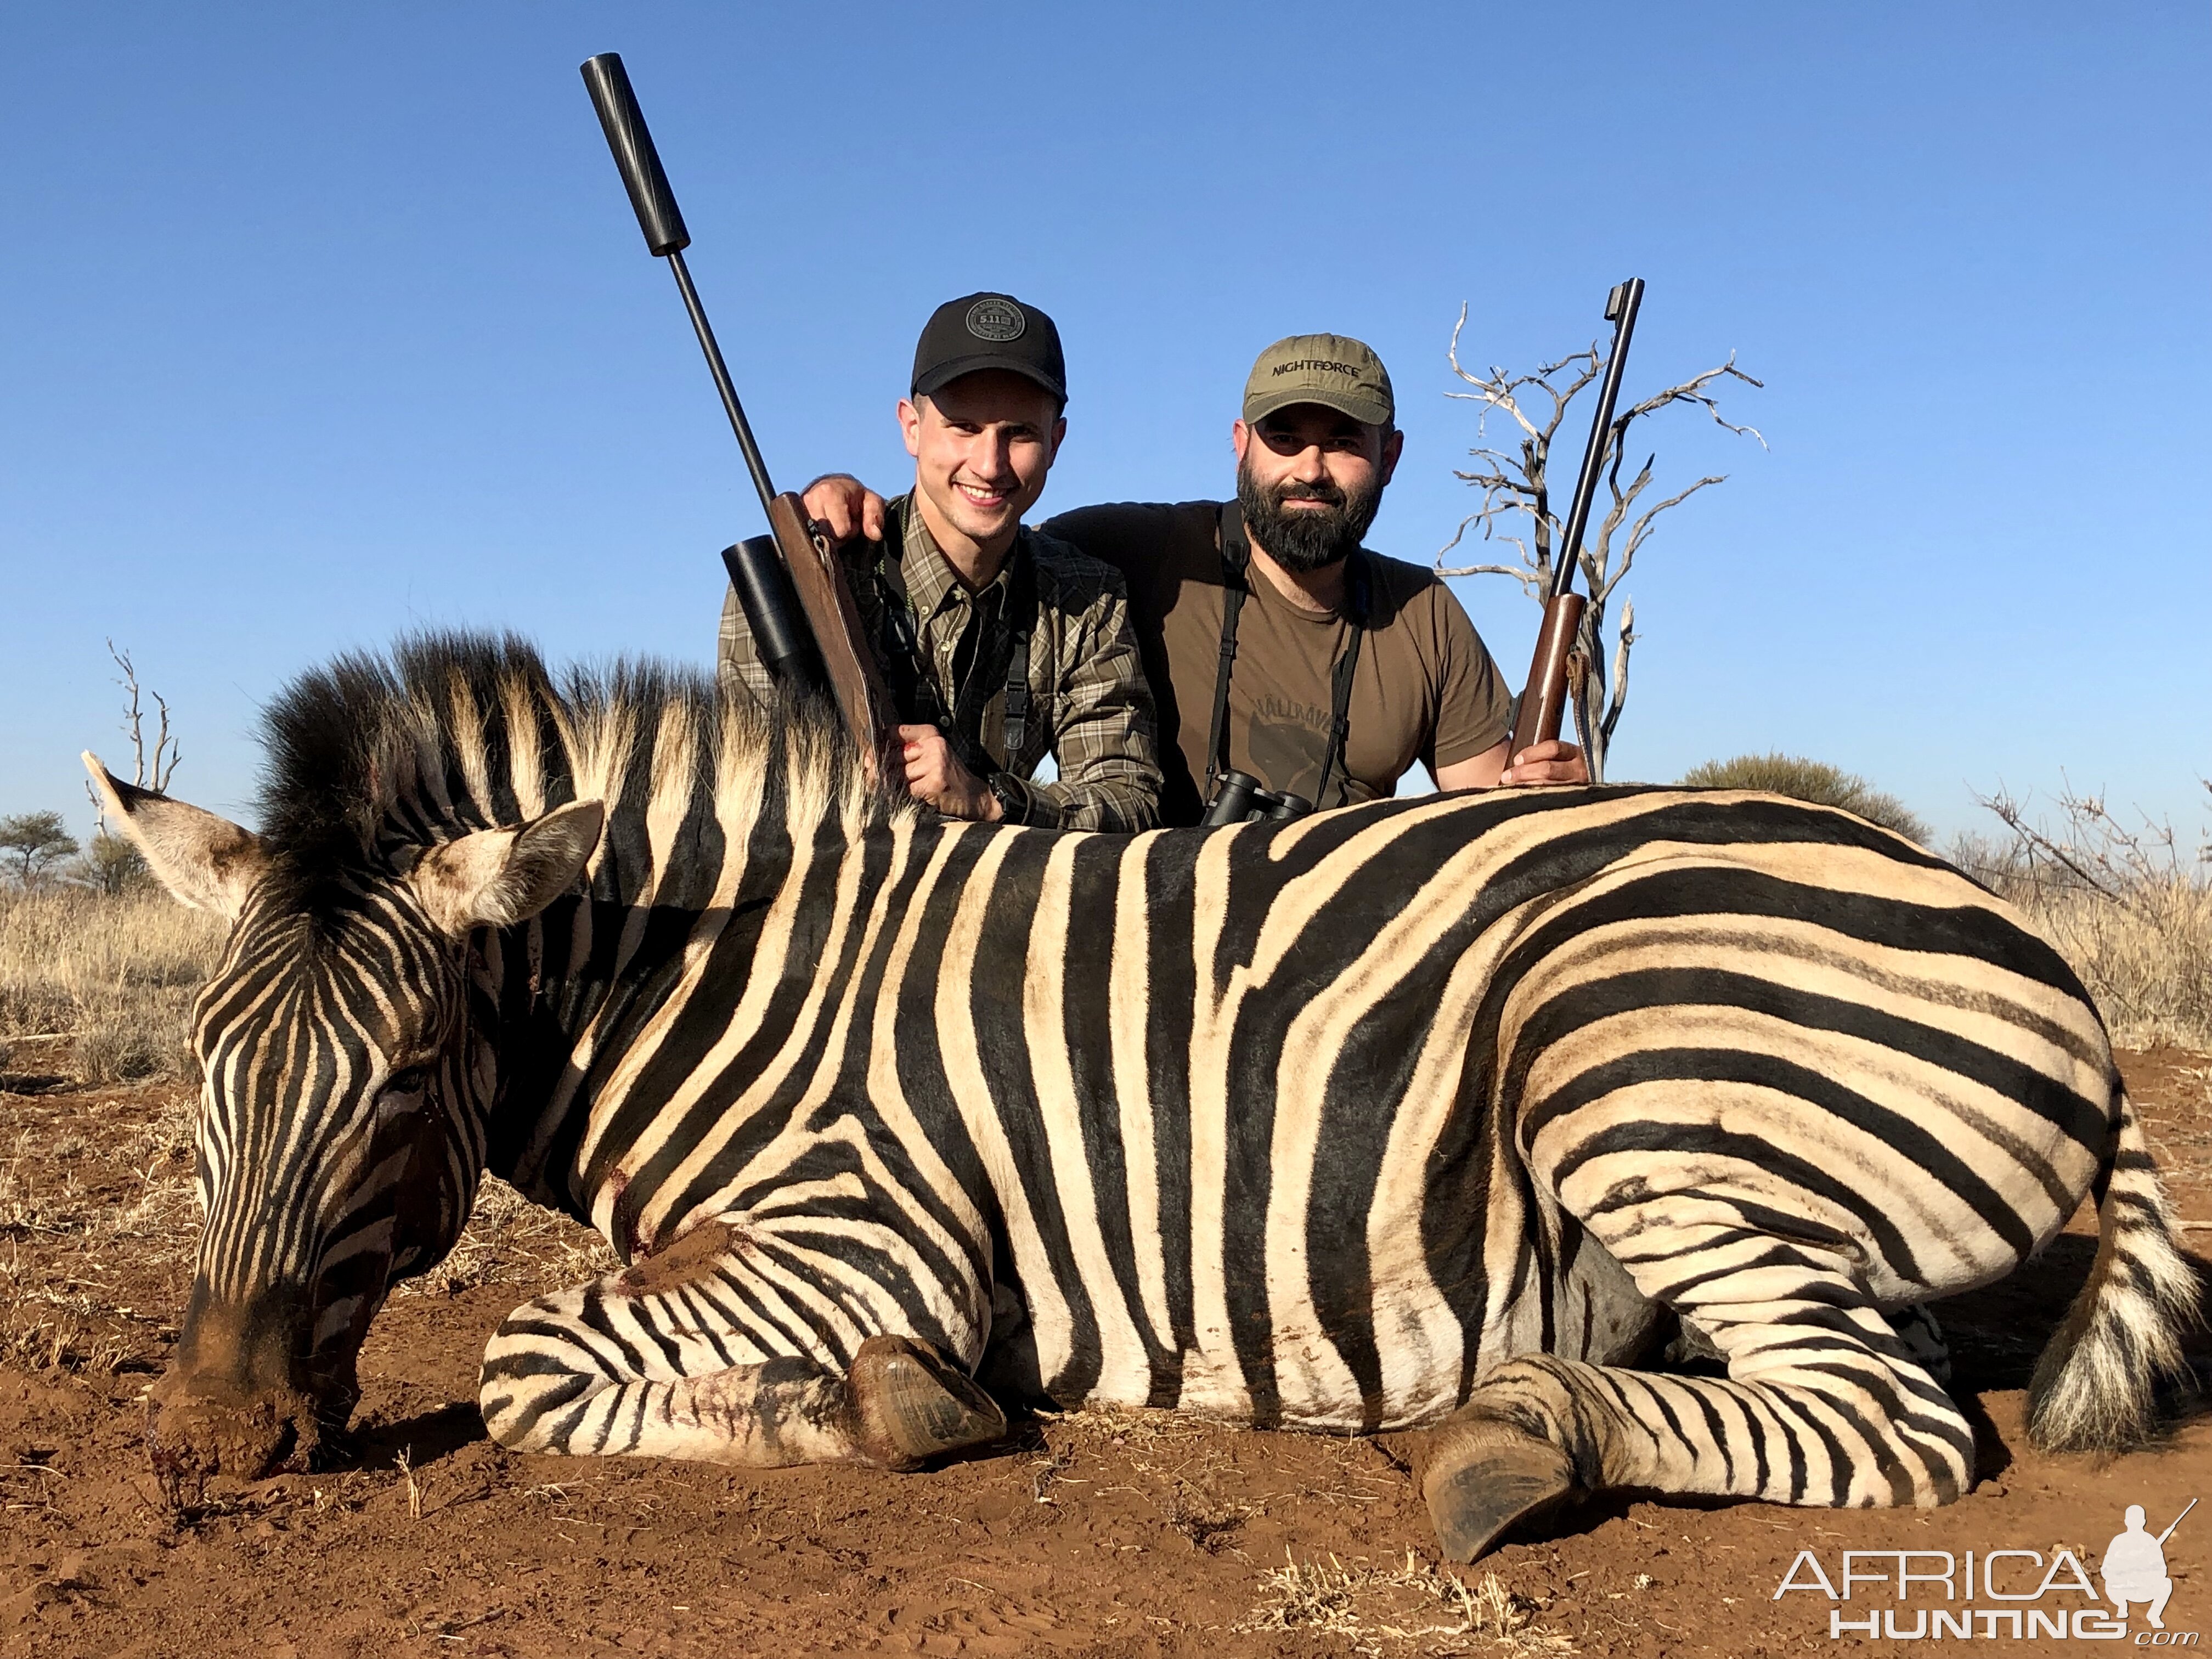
(822, 637)
(1545, 699)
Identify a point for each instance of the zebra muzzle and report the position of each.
(234, 1403)
(192, 1438)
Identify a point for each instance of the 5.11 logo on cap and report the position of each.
(996, 319)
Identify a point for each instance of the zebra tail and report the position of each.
(2095, 1384)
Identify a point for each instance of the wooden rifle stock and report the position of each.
(1544, 701)
(817, 575)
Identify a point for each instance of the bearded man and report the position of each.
(1276, 644)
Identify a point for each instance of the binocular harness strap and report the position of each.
(1236, 561)
(1235, 556)
(1339, 708)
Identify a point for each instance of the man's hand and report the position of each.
(1547, 762)
(935, 778)
(1539, 762)
(849, 506)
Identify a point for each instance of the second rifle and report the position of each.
(1545, 699)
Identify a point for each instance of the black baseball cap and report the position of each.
(988, 331)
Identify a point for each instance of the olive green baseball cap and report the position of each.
(1328, 369)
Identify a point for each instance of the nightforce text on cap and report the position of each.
(1329, 369)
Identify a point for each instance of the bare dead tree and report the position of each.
(1518, 481)
(149, 769)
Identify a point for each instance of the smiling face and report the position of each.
(982, 446)
(1310, 480)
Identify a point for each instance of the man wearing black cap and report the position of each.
(1277, 645)
(1000, 645)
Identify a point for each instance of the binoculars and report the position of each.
(1240, 798)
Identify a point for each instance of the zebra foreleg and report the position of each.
(1825, 1403)
(657, 1362)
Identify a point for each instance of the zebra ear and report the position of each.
(495, 877)
(206, 862)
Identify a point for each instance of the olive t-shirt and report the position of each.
(1424, 689)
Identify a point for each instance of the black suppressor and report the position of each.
(780, 634)
(1240, 798)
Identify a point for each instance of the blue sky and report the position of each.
(325, 323)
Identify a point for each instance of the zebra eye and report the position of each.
(409, 1082)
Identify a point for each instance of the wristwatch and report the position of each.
(1013, 798)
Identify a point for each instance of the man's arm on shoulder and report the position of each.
(1131, 536)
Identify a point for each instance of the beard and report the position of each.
(1305, 539)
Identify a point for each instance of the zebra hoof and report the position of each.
(1484, 1477)
(913, 1404)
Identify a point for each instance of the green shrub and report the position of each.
(1810, 779)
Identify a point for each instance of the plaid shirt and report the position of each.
(1089, 706)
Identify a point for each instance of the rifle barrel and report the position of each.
(1620, 311)
(666, 237)
(723, 384)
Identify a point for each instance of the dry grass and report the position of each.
(117, 973)
(1399, 1607)
(2149, 963)
(2130, 908)
(510, 1240)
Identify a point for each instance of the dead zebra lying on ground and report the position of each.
(1441, 1112)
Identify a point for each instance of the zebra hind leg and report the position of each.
(1825, 1401)
(1916, 1327)
(661, 1360)
(911, 1405)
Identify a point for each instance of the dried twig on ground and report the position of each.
(1396, 1608)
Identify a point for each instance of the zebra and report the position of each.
(1450, 1113)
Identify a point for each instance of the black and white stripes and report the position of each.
(1451, 1110)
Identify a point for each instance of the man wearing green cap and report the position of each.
(1001, 645)
(1277, 645)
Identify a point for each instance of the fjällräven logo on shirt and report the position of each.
(996, 319)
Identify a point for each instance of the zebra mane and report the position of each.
(373, 756)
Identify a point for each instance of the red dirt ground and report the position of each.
(1096, 1536)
